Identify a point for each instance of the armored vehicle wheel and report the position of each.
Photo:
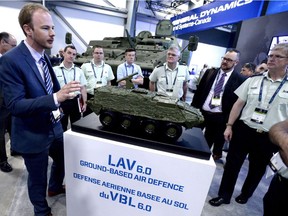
(108, 119)
(126, 122)
(172, 131)
(149, 127)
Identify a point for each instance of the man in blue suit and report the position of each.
(37, 132)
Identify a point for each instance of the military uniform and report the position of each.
(97, 75)
(266, 104)
(170, 82)
(70, 107)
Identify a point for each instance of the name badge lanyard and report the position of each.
(65, 81)
(275, 93)
(127, 70)
(173, 81)
(95, 72)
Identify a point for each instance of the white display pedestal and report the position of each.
(105, 178)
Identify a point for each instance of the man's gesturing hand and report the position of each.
(67, 91)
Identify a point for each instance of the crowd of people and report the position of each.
(38, 100)
(261, 103)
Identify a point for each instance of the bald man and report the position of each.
(7, 42)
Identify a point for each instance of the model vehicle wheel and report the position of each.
(149, 127)
(126, 122)
(172, 131)
(108, 119)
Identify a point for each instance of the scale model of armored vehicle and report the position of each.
(142, 110)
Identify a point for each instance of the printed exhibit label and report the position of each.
(105, 177)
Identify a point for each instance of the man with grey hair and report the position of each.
(7, 42)
(262, 102)
(170, 78)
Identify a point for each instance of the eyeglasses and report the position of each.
(227, 59)
(276, 56)
(12, 45)
(98, 53)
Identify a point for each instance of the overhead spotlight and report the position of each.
(174, 4)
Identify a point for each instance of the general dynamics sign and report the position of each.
(216, 14)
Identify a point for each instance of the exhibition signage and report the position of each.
(276, 7)
(215, 14)
(106, 177)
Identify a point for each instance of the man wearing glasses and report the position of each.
(215, 97)
(171, 77)
(262, 102)
(7, 42)
(97, 73)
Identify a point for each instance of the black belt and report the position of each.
(260, 131)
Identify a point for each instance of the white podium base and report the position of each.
(106, 178)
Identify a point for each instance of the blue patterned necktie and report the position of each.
(47, 77)
(48, 82)
(218, 88)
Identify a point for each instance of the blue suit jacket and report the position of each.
(26, 97)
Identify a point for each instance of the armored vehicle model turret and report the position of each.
(139, 109)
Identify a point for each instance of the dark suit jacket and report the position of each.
(229, 97)
(26, 97)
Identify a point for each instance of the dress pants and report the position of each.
(215, 125)
(88, 110)
(246, 140)
(4, 120)
(71, 110)
(37, 167)
(275, 200)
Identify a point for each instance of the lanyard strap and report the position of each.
(65, 81)
(275, 93)
(127, 70)
(174, 78)
(95, 72)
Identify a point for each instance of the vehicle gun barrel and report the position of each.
(129, 83)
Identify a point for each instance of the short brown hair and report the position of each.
(26, 13)
(69, 46)
(130, 50)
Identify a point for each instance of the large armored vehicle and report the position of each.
(139, 109)
(150, 50)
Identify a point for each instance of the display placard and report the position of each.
(106, 177)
